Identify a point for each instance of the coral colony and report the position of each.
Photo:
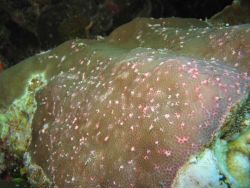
(158, 103)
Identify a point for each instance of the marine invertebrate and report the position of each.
(133, 126)
(129, 111)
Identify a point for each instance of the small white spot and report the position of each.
(132, 148)
(106, 138)
(63, 58)
(166, 116)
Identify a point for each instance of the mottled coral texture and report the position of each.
(132, 123)
(129, 110)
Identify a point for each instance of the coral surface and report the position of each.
(148, 106)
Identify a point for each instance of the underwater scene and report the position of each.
(124, 94)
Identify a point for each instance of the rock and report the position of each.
(148, 106)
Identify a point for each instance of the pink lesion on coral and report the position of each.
(156, 119)
(182, 140)
(164, 152)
